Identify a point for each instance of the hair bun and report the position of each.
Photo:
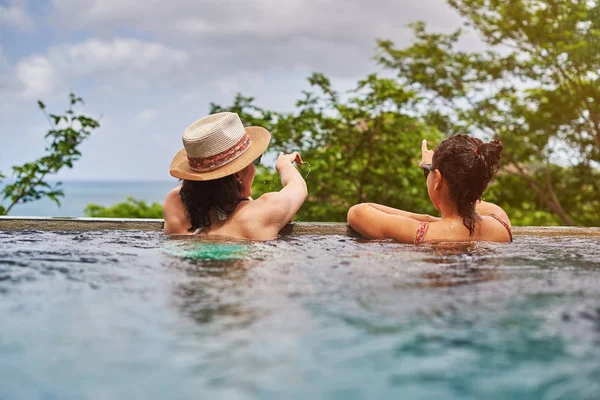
(490, 153)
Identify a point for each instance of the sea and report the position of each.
(78, 194)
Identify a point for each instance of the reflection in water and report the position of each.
(207, 250)
(463, 263)
(205, 304)
(458, 276)
(300, 317)
(214, 290)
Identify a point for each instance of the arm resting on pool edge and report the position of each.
(373, 223)
(395, 211)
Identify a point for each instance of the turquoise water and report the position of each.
(103, 315)
(78, 194)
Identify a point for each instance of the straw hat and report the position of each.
(218, 146)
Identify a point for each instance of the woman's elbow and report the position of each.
(305, 188)
(300, 188)
(354, 215)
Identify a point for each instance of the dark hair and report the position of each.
(200, 196)
(468, 164)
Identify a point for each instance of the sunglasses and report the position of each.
(427, 168)
(257, 161)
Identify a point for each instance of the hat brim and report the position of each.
(259, 141)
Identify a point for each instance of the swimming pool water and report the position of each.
(106, 315)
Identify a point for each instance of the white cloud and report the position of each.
(15, 15)
(270, 19)
(37, 76)
(122, 63)
(199, 51)
(146, 117)
(331, 36)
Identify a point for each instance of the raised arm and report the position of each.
(294, 190)
(276, 209)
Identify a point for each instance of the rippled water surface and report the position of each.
(107, 315)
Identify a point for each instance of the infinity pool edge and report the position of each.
(62, 224)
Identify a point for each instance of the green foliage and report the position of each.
(537, 87)
(130, 208)
(67, 133)
(523, 206)
(361, 147)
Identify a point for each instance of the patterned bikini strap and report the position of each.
(421, 232)
(497, 218)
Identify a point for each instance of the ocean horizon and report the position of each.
(79, 193)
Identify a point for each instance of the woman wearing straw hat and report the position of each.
(217, 166)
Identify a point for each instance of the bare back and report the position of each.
(374, 221)
(487, 229)
(238, 224)
(259, 219)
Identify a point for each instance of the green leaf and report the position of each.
(30, 182)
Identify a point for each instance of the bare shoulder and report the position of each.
(174, 213)
(263, 218)
(487, 209)
(494, 230)
(268, 203)
(259, 209)
(173, 202)
(173, 195)
(500, 213)
(269, 197)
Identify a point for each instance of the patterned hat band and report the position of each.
(204, 164)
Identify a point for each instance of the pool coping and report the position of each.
(62, 224)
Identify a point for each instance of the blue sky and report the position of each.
(150, 68)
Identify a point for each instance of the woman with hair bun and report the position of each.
(457, 174)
